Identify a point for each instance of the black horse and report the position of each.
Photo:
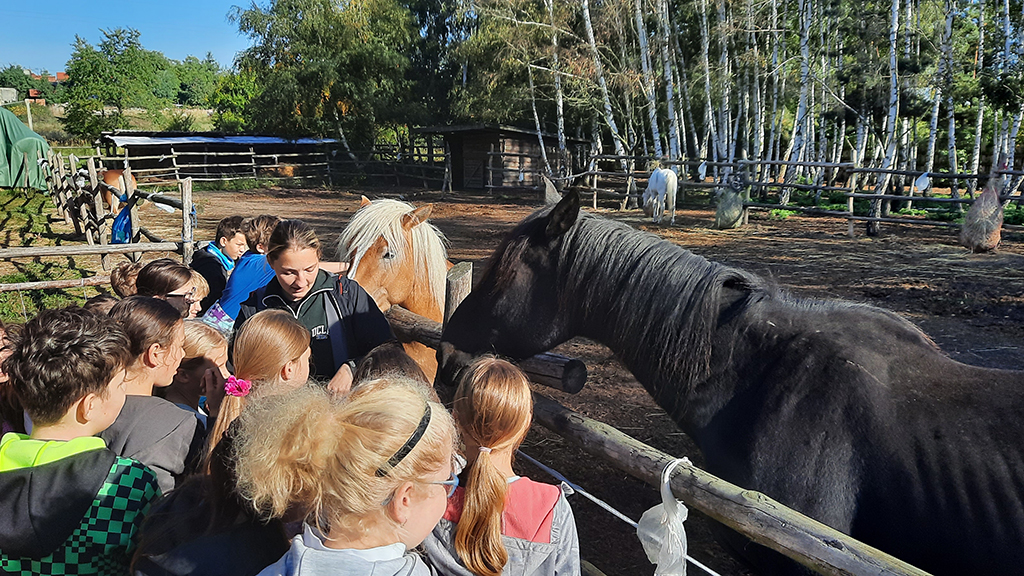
(845, 412)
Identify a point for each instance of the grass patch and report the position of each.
(1014, 214)
(25, 220)
(781, 213)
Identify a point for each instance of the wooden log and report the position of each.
(552, 370)
(751, 513)
(160, 199)
(56, 284)
(84, 249)
(459, 283)
(187, 247)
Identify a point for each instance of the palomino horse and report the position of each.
(845, 412)
(399, 258)
(115, 179)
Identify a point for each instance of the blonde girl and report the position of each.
(270, 352)
(500, 522)
(370, 473)
(206, 357)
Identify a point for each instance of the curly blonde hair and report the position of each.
(312, 453)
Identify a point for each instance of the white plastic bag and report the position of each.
(661, 529)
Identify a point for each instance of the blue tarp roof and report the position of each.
(124, 140)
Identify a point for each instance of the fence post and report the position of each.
(187, 247)
(490, 171)
(458, 284)
(129, 191)
(174, 162)
(28, 112)
(98, 210)
(849, 201)
(446, 183)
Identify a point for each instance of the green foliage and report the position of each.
(197, 80)
(165, 85)
(230, 99)
(26, 217)
(104, 81)
(181, 122)
(325, 67)
(781, 213)
(13, 76)
(1014, 214)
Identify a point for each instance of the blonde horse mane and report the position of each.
(384, 218)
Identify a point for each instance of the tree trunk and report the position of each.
(609, 115)
(563, 169)
(670, 101)
(709, 114)
(979, 122)
(645, 62)
(536, 121)
(800, 122)
(891, 119)
(947, 55)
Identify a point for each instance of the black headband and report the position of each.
(408, 446)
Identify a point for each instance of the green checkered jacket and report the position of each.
(78, 514)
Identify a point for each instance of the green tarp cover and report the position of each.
(16, 140)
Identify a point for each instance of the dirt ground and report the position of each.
(972, 305)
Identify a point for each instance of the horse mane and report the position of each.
(667, 300)
(384, 218)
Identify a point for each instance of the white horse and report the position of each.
(661, 187)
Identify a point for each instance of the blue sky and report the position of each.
(39, 35)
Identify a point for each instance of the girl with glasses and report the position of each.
(369, 473)
(171, 281)
(500, 523)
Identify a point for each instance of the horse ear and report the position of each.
(417, 216)
(564, 214)
(551, 195)
(364, 202)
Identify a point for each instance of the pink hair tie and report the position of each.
(237, 387)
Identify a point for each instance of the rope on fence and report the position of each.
(606, 506)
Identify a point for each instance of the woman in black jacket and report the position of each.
(344, 322)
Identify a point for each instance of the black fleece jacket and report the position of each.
(344, 323)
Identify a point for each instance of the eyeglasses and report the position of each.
(182, 301)
(452, 483)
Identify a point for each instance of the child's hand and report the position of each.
(213, 388)
(341, 384)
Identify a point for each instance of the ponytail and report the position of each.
(478, 538)
(493, 407)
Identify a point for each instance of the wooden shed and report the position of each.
(488, 156)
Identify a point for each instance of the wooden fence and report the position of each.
(751, 513)
(409, 166)
(80, 199)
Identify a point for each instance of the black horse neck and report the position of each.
(653, 303)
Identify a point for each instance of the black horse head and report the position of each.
(516, 307)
